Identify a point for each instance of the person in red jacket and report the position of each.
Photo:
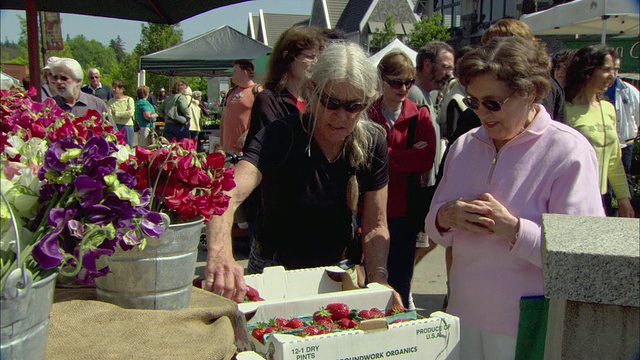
(395, 112)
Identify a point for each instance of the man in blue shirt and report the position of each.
(95, 87)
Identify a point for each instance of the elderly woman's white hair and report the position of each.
(70, 64)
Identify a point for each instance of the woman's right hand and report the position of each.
(224, 276)
(465, 214)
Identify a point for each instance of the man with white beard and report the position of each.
(68, 76)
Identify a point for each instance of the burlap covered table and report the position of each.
(84, 328)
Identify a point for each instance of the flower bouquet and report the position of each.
(77, 192)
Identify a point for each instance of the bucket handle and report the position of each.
(20, 279)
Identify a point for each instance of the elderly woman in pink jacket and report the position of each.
(498, 181)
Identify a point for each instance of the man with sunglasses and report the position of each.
(434, 66)
(95, 87)
(68, 75)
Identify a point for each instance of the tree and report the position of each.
(118, 47)
(156, 37)
(382, 38)
(427, 29)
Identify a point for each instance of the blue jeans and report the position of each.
(176, 131)
(128, 132)
(402, 252)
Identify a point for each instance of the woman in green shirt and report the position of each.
(589, 75)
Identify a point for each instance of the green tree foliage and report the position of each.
(427, 29)
(382, 38)
(118, 47)
(156, 37)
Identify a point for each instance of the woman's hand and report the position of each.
(224, 276)
(505, 224)
(625, 209)
(467, 215)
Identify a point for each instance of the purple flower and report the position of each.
(150, 225)
(123, 208)
(89, 190)
(47, 252)
(100, 214)
(126, 179)
(55, 151)
(97, 168)
(75, 229)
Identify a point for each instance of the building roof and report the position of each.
(352, 15)
(274, 25)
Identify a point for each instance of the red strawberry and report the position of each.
(279, 322)
(258, 333)
(295, 323)
(310, 331)
(252, 294)
(322, 314)
(395, 310)
(327, 324)
(338, 311)
(365, 314)
(376, 313)
(345, 323)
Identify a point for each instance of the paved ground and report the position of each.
(429, 279)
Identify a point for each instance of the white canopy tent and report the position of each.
(587, 17)
(394, 45)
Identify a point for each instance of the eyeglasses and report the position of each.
(445, 67)
(397, 83)
(491, 105)
(332, 103)
(61, 77)
(94, 77)
(309, 57)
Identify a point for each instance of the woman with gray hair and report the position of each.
(497, 182)
(311, 168)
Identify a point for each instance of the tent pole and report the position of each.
(32, 45)
(603, 38)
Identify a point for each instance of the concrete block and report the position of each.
(591, 259)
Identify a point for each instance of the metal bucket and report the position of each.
(25, 322)
(158, 277)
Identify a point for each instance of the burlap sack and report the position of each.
(83, 328)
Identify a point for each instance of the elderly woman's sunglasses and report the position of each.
(491, 105)
(332, 103)
(397, 83)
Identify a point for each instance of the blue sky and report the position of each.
(105, 29)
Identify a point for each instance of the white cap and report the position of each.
(161, 89)
(50, 61)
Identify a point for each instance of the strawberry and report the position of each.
(258, 333)
(376, 313)
(322, 314)
(310, 331)
(327, 324)
(338, 311)
(252, 295)
(346, 323)
(279, 322)
(365, 314)
(295, 323)
(395, 310)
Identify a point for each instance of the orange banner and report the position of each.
(51, 30)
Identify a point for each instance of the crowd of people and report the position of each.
(333, 147)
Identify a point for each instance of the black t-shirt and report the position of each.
(304, 217)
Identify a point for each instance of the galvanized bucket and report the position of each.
(25, 322)
(158, 277)
(24, 309)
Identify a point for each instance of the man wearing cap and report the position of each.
(68, 75)
(95, 87)
(48, 87)
(162, 96)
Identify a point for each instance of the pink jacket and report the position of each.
(549, 168)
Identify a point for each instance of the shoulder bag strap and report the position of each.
(411, 132)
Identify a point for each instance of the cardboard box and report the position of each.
(302, 292)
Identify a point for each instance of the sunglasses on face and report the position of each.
(332, 103)
(397, 83)
(491, 105)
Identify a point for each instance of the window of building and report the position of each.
(450, 12)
